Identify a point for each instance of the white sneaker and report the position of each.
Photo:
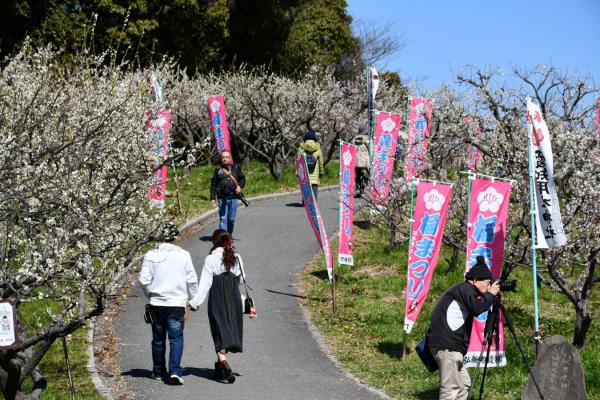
(176, 380)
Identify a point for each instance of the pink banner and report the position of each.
(158, 126)
(486, 232)
(386, 140)
(419, 117)
(313, 213)
(218, 122)
(429, 221)
(473, 153)
(597, 118)
(346, 206)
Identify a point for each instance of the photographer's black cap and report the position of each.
(480, 270)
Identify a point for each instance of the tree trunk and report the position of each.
(583, 321)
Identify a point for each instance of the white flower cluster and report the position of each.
(74, 182)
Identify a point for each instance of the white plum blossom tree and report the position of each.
(74, 182)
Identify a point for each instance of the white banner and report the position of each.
(549, 227)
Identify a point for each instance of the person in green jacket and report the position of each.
(311, 149)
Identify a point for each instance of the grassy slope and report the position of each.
(195, 191)
(366, 335)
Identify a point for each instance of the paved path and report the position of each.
(281, 359)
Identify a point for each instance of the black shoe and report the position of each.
(176, 380)
(227, 371)
(218, 374)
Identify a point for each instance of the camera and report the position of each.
(507, 286)
(242, 198)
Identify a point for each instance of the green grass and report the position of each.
(195, 198)
(367, 332)
(53, 365)
(195, 187)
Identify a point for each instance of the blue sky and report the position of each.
(442, 35)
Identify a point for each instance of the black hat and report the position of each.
(310, 135)
(480, 270)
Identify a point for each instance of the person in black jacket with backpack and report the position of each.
(451, 325)
(227, 183)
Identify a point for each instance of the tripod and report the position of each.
(491, 327)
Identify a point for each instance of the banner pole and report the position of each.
(70, 375)
(176, 178)
(536, 332)
(370, 111)
(410, 222)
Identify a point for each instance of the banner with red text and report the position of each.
(313, 213)
(429, 221)
(158, 126)
(346, 204)
(486, 233)
(473, 153)
(386, 140)
(218, 122)
(419, 117)
(549, 227)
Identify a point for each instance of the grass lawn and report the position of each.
(195, 198)
(366, 334)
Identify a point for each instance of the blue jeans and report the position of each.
(169, 320)
(227, 213)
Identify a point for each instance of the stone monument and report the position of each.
(558, 372)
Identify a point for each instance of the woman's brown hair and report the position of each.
(222, 238)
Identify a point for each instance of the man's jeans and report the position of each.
(169, 320)
(455, 380)
(227, 213)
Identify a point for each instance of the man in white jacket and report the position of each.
(169, 280)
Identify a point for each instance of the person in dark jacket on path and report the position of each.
(451, 325)
(227, 183)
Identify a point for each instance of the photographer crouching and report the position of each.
(226, 186)
(451, 325)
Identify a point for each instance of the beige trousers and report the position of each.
(454, 378)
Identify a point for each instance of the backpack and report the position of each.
(311, 162)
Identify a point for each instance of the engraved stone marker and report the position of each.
(558, 372)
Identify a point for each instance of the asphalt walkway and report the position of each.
(281, 358)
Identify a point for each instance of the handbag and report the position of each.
(425, 355)
(149, 315)
(247, 301)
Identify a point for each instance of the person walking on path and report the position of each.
(220, 280)
(451, 325)
(227, 183)
(168, 279)
(311, 149)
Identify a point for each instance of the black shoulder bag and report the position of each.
(425, 355)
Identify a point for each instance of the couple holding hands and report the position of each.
(169, 280)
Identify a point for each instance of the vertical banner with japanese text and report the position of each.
(158, 126)
(346, 205)
(313, 213)
(429, 221)
(218, 122)
(419, 117)
(549, 227)
(386, 140)
(473, 153)
(486, 233)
